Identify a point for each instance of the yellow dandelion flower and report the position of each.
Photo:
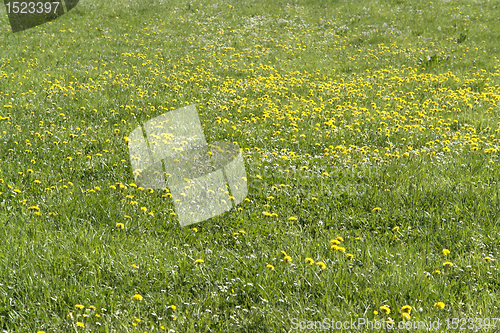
(405, 316)
(406, 309)
(338, 248)
(375, 312)
(395, 229)
(321, 265)
(349, 256)
(283, 253)
(309, 261)
(80, 324)
(487, 258)
(194, 229)
(446, 251)
(439, 305)
(385, 309)
(334, 242)
(448, 264)
(270, 267)
(143, 209)
(287, 259)
(79, 306)
(376, 209)
(292, 218)
(437, 272)
(340, 239)
(173, 307)
(199, 261)
(137, 298)
(120, 226)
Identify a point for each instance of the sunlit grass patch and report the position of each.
(370, 133)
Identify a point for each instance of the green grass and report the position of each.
(340, 107)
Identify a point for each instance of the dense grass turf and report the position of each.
(373, 121)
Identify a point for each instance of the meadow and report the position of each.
(370, 132)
